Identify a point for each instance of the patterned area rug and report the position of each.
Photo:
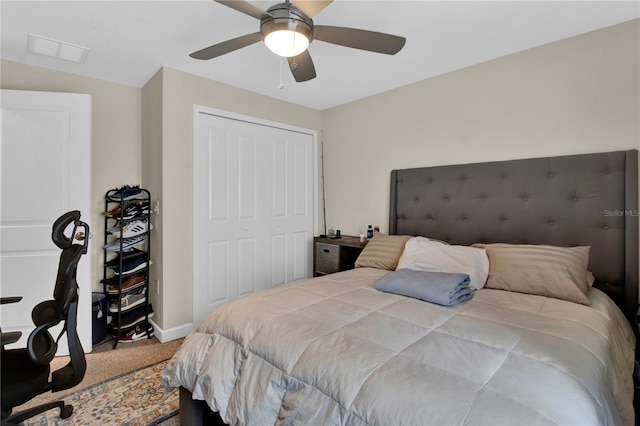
(136, 399)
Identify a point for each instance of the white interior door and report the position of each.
(45, 172)
(254, 207)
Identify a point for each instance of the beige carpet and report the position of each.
(104, 363)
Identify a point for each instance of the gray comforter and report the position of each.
(334, 350)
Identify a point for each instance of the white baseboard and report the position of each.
(171, 334)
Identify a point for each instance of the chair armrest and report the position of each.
(6, 338)
(9, 337)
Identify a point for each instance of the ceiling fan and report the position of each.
(287, 29)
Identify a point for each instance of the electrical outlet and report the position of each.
(157, 286)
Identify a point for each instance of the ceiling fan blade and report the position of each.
(246, 8)
(311, 7)
(301, 67)
(227, 46)
(359, 39)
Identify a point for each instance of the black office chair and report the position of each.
(25, 371)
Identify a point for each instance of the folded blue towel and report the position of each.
(442, 288)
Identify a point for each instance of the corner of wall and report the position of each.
(152, 124)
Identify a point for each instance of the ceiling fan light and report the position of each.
(286, 43)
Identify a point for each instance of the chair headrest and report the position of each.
(61, 224)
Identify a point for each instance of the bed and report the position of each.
(336, 350)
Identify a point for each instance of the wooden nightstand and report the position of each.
(335, 254)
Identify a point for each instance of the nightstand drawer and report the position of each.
(335, 255)
(327, 258)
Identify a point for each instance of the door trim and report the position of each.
(201, 109)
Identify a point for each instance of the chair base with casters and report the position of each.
(21, 370)
(25, 371)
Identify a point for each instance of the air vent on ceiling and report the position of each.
(57, 49)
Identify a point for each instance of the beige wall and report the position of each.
(180, 91)
(574, 96)
(115, 149)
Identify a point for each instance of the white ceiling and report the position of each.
(131, 40)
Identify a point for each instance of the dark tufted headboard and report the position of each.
(589, 199)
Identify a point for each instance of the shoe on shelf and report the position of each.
(126, 193)
(130, 211)
(128, 301)
(132, 317)
(126, 244)
(129, 254)
(130, 283)
(114, 229)
(137, 333)
(129, 266)
(133, 229)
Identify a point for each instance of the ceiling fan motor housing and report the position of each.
(286, 17)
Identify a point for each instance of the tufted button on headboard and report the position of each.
(588, 199)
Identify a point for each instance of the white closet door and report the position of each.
(45, 172)
(254, 208)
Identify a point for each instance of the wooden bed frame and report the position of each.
(588, 199)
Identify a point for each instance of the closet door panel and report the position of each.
(257, 183)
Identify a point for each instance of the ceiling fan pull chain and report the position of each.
(281, 85)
